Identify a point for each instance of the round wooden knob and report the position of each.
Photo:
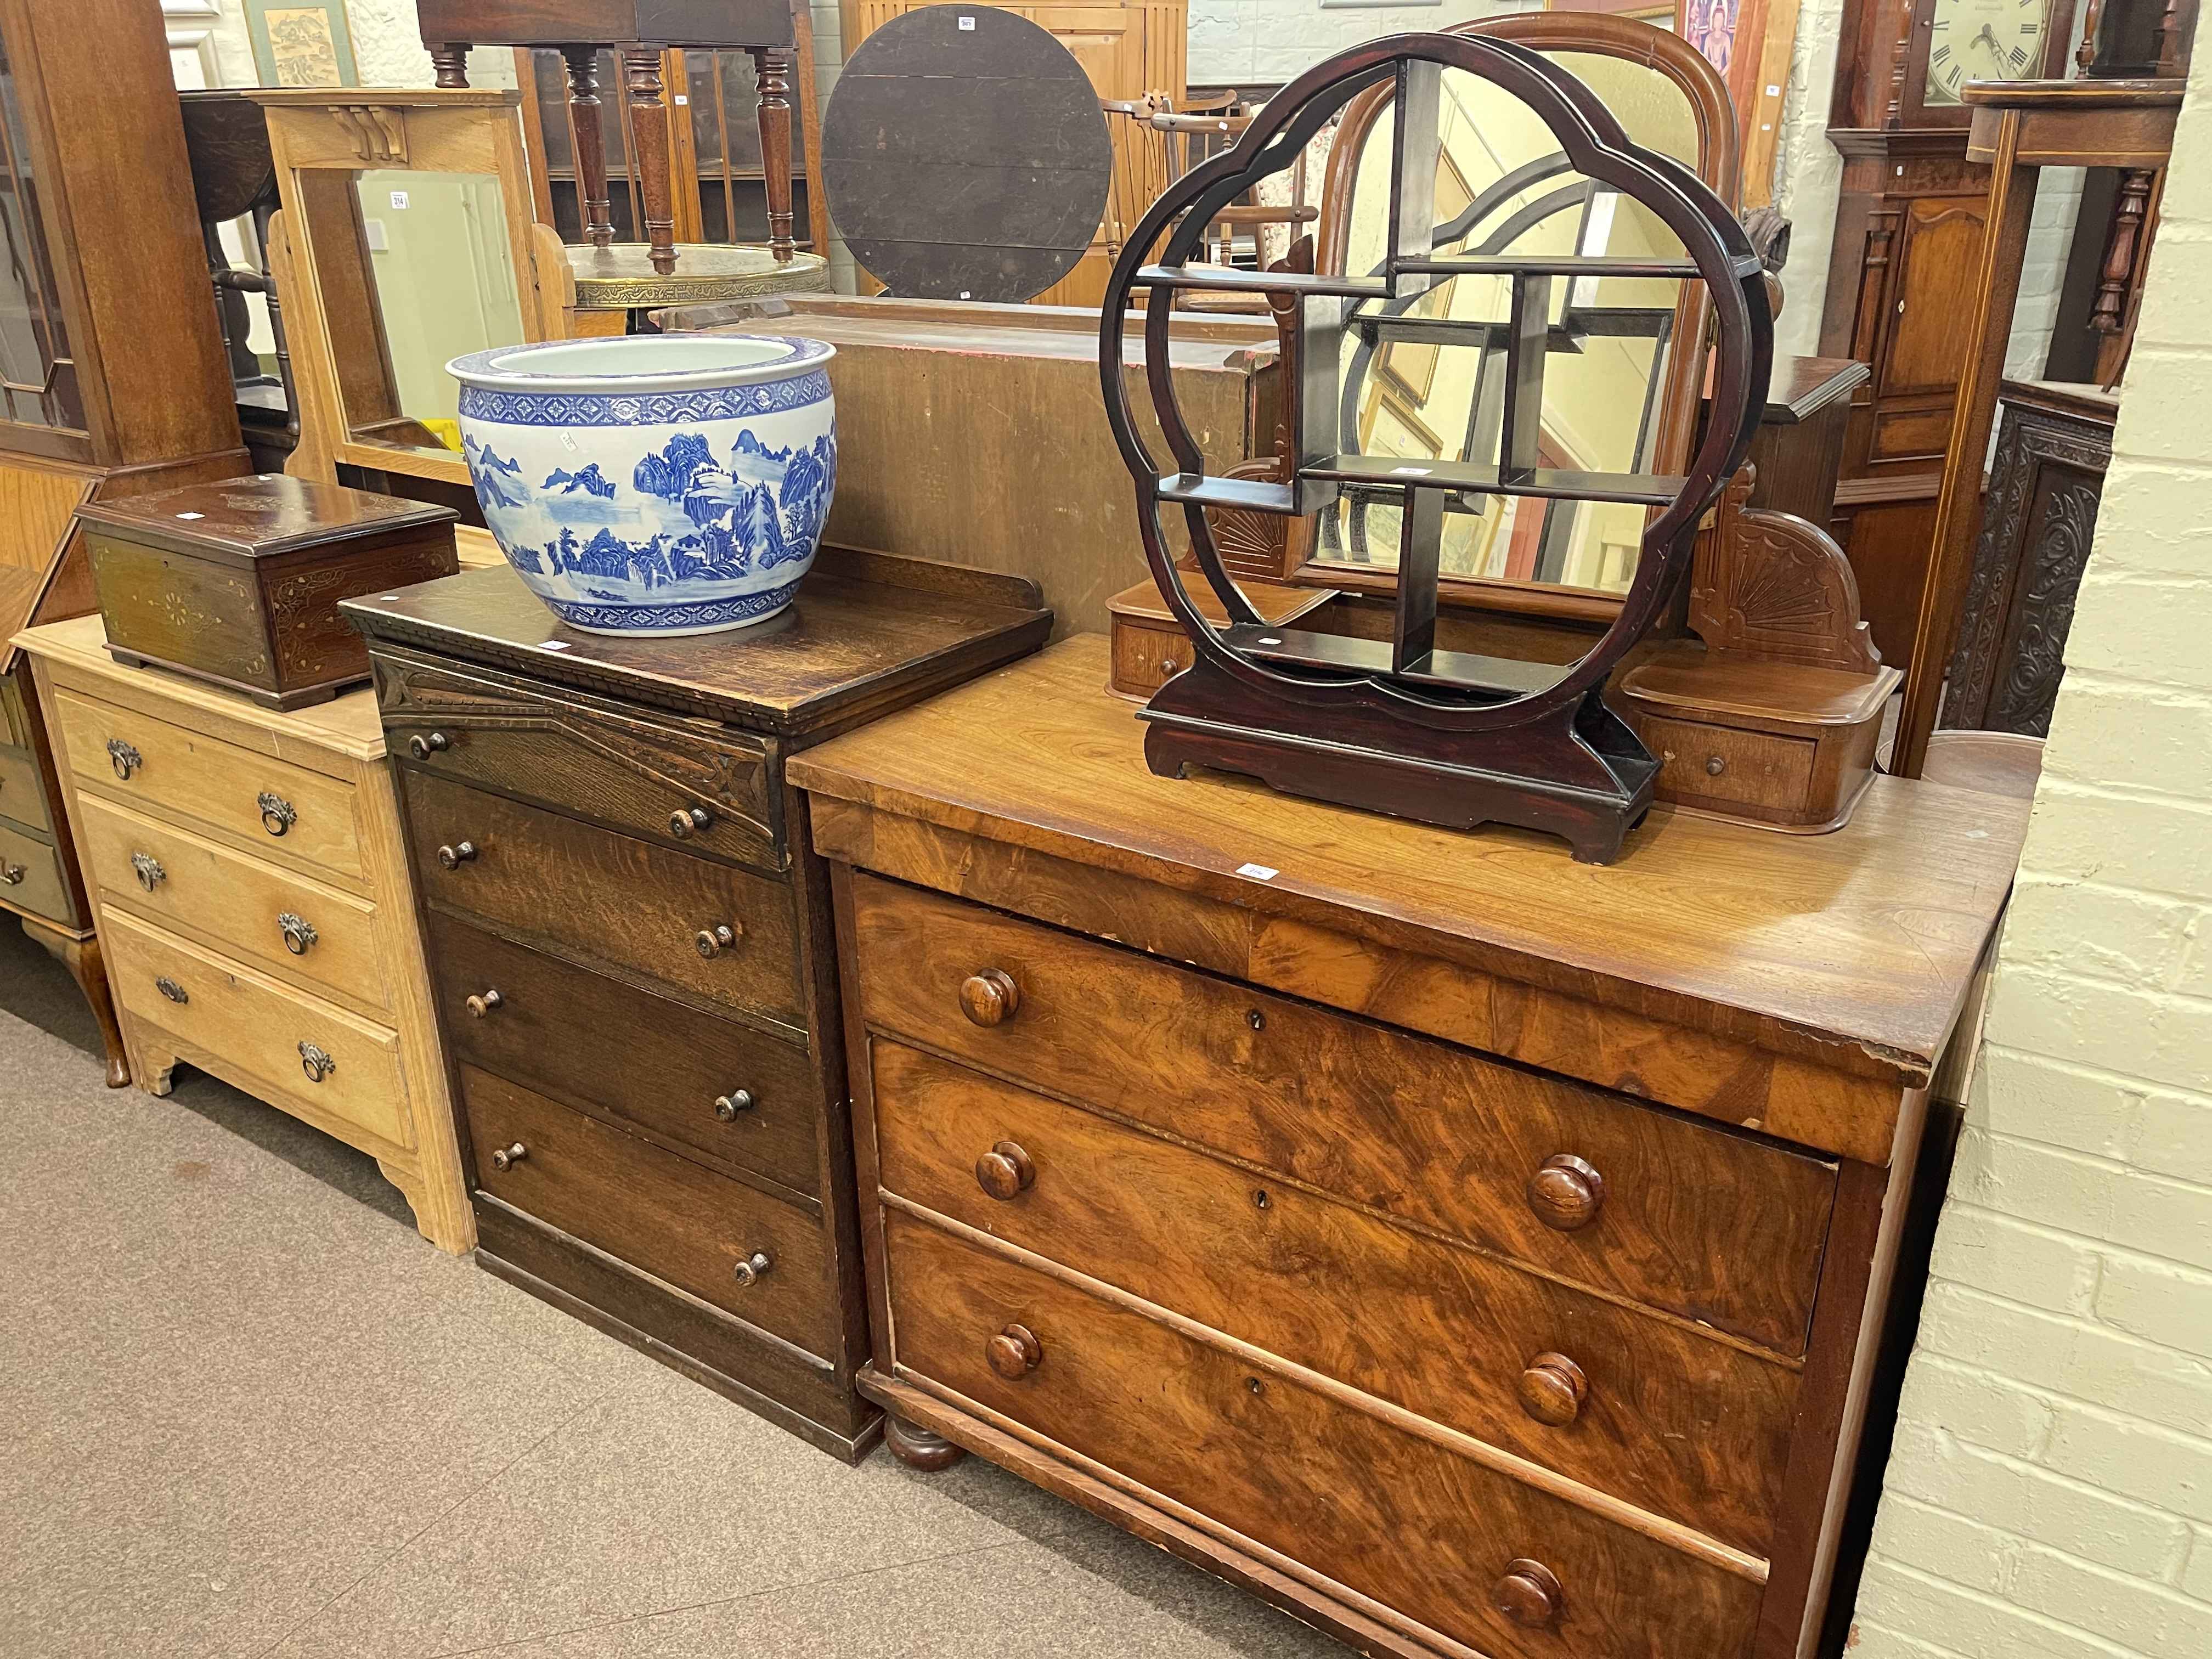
(484, 1002)
(749, 1270)
(506, 1158)
(425, 745)
(1014, 1353)
(1529, 1594)
(711, 942)
(1566, 1192)
(1714, 765)
(989, 998)
(461, 853)
(1552, 1389)
(1005, 1171)
(727, 1107)
(685, 821)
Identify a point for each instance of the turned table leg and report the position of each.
(920, 1448)
(649, 123)
(451, 63)
(591, 143)
(82, 958)
(773, 65)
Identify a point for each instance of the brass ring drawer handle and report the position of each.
(1552, 1389)
(727, 1107)
(315, 1063)
(506, 1158)
(148, 871)
(12, 875)
(711, 942)
(687, 822)
(1006, 1172)
(1014, 1353)
(169, 988)
(1528, 1594)
(425, 745)
(483, 1002)
(750, 1269)
(990, 997)
(460, 852)
(1566, 1192)
(300, 934)
(277, 814)
(124, 758)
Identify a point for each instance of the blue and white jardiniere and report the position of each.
(655, 483)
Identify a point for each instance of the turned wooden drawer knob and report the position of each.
(506, 1158)
(1714, 765)
(1014, 1353)
(747, 1269)
(1005, 1171)
(1529, 1594)
(461, 853)
(687, 822)
(727, 1107)
(1552, 1389)
(483, 1002)
(989, 998)
(711, 942)
(423, 745)
(1566, 1192)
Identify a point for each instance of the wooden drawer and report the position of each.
(1389, 1512)
(1670, 1419)
(608, 898)
(264, 803)
(31, 876)
(550, 1027)
(1144, 659)
(597, 761)
(290, 927)
(269, 1031)
(676, 1220)
(22, 795)
(1701, 1221)
(1756, 769)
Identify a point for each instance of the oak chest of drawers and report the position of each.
(1472, 1251)
(631, 956)
(252, 903)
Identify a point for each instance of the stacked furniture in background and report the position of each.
(631, 949)
(96, 404)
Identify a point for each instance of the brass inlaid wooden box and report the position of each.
(238, 582)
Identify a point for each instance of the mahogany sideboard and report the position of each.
(1472, 1251)
(629, 943)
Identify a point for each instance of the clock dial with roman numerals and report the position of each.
(1981, 40)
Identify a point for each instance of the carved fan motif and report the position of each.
(1773, 585)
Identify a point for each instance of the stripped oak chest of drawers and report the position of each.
(1473, 1251)
(630, 946)
(252, 903)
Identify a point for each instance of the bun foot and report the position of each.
(919, 1447)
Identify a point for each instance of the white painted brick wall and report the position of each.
(2050, 1495)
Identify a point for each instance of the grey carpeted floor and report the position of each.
(244, 1409)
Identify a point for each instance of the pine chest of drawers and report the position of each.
(630, 945)
(252, 903)
(1472, 1251)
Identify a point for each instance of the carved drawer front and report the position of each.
(706, 928)
(703, 787)
(292, 928)
(291, 813)
(1719, 762)
(31, 876)
(22, 797)
(341, 1070)
(698, 1085)
(715, 1238)
(1426, 1530)
(1669, 1211)
(1640, 1406)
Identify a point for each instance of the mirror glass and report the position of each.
(1503, 187)
(415, 269)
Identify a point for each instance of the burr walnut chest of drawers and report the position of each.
(631, 949)
(252, 901)
(1473, 1251)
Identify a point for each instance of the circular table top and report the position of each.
(623, 275)
(965, 155)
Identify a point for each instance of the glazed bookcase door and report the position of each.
(38, 376)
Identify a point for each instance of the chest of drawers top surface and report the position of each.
(868, 631)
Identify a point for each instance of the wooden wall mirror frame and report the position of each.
(323, 141)
(1712, 119)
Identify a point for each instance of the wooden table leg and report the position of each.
(80, 956)
(649, 129)
(591, 143)
(773, 65)
(451, 63)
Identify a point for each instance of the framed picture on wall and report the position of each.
(302, 42)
